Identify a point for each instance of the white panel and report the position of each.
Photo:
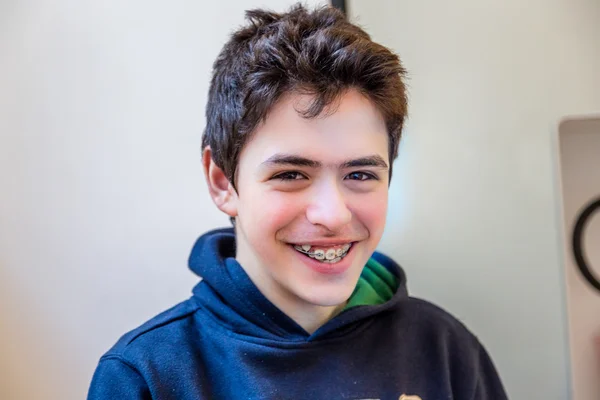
(580, 171)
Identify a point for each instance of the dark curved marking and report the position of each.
(578, 251)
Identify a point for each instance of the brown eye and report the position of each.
(289, 176)
(360, 176)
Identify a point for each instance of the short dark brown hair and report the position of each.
(316, 52)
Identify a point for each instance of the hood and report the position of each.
(229, 295)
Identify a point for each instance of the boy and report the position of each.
(303, 122)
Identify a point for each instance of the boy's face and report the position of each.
(319, 182)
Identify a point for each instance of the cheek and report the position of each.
(269, 212)
(282, 209)
(371, 211)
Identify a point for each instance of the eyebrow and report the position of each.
(299, 161)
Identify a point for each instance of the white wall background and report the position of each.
(580, 182)
(102, 195)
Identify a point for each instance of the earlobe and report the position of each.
(219, 187)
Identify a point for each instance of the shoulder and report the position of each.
(420, 314)
(427, 326)
(432, 315)
(161, 333)
(446, 341)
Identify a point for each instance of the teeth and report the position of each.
(319, 254)
(324, 255)
(330, 254)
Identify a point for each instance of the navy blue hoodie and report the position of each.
(229, 342)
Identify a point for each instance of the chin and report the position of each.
(328, 296)
(327, 288)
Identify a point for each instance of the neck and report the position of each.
(312, 317)
(309, 316)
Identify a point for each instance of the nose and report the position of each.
(328, 208)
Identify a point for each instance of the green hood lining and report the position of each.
(376, 285)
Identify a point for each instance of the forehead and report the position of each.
(352, 128)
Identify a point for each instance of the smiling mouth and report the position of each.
(328, 255)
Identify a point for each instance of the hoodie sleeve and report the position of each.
(489, 385)
(116, 379)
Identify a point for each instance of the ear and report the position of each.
(221, 190)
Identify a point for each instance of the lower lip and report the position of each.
(325, 268)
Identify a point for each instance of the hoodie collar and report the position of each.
(227, 292)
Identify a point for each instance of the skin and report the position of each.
(296, 185)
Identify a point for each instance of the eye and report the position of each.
(289, 176)
(361, 176)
